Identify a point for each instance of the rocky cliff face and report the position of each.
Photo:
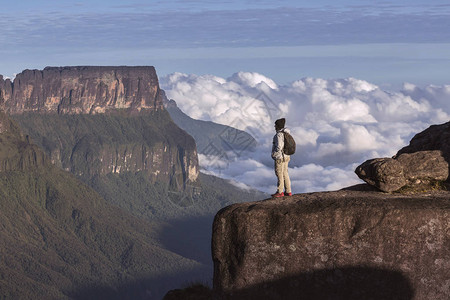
(91, 145)
(5, 89)
(348, 244)
(86, 90)
(101, 120)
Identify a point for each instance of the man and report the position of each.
(281, 160)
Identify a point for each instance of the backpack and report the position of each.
(289, 144)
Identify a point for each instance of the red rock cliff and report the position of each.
(86, 90)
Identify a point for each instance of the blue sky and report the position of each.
(385, 42)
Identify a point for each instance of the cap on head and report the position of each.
(279, 124)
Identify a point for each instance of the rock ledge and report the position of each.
(356, 243)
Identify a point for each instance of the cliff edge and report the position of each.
(356, 243)
(82, 90)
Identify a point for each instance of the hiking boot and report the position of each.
(288, 194)
(276, 195)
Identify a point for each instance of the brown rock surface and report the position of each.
(384, 173)
(85, 89)
(418, 166)
(5, 89)
(349, 244)
(436, 137)
(417, 170)
(422, 166)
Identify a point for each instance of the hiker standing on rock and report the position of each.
(281, 151)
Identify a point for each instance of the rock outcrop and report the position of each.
(435, 137)
(349, 244)
(421, 165)
(86, 90)
(5, 89)
(418, 170)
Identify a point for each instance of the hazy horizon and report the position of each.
(384, 42)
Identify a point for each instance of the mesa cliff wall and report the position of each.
(82, 90)
(101, 120)
(347, 244)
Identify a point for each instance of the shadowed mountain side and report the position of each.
(211, 138)
(147, 288)
(58, 235)
(352, 283)
(190, 236)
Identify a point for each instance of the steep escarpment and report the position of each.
(94, 121)
(93, 145)
(349, 244)
(85, 89)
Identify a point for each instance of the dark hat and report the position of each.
(279, 124)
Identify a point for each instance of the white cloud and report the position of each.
(253, 80)
(337, 124)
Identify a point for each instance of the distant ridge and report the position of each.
(211, 138)
(82, 89)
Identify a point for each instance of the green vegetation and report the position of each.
(79, 142)
(135, 193)
(80, 139)
(59, 236)
(114, 236)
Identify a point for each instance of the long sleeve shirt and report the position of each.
(278, 144)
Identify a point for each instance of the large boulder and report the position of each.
(384, 173)
(421, 165)
(418, 170)
(349, 244)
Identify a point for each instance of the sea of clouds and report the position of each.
(337, 124)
